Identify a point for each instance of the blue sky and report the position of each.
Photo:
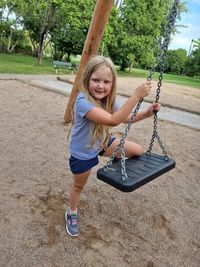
(191, 19)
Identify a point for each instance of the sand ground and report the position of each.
(157, 225)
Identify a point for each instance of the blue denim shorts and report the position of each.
(110, 141)
(80, 166)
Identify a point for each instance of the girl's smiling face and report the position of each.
(100, 83)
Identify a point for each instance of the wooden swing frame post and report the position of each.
(95, 33)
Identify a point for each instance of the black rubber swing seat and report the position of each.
(140, 170)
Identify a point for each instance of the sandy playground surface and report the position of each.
(157, 225)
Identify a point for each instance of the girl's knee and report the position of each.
(138, 151)
(134, 150)
(80, 180)
(78, 187)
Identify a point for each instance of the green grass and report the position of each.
(19, 64)
(182, 80)
(178, 79)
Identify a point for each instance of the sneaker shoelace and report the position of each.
(74, 219)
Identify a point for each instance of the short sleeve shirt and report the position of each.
(81, 142)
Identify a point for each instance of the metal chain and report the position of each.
(160, 61)
(121, 144)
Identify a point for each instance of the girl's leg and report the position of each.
(77, 186)
(131, 149)
(71, 215)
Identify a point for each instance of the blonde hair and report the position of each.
(99, 131)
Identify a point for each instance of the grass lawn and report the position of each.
(12, 63)
(26, 65)
(178, 79)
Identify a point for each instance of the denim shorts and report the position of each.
(78, 166)
(110, 141)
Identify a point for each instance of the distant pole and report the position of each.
(95, 33)
(188, 57)
(189, 52)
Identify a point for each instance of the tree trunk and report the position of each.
(130, 67)
(40, 49)
(12, 48)
(68, 57)
(1, 42)
(40, 57)
(9, 41)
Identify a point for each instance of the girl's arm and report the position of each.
(145, 114)
(99, 115)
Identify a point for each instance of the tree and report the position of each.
(140, 26)
(196, 43)
(38, 18)
(137, 26)
(110, 41)
(10, 31)
(69, 33)
(176, 61)
(193, 66)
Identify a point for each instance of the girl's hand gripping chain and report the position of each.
(143, 90)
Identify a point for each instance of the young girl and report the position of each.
(95, 111)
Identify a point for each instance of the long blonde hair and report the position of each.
(99, 131)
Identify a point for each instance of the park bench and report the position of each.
(63, 65)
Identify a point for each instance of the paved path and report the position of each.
(50, 82)
(181, 117)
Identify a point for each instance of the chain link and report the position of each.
(121, 144)
(160, 61)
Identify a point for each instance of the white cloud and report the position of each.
(191, 31)
(184, 38)
(180, 42)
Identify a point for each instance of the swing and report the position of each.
(129, 174)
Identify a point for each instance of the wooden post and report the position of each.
(99, 19)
